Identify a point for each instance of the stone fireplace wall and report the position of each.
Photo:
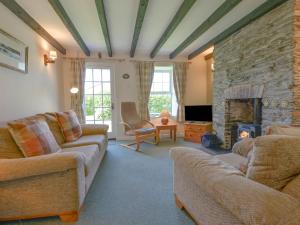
(259, 54)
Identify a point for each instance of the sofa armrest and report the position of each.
(251, 202)
(91, 129)
(13, 169)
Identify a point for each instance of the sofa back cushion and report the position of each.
(283, 130)
(275, 160)
(8, 147)
(69, 125)
(293, 188)
(243, 147)
(33, 136)
(54, 127)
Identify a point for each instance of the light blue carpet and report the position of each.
(130, 188)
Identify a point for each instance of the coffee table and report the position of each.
(171, 126)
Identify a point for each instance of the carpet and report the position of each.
(130, 188)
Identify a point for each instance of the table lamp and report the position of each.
(164, 115)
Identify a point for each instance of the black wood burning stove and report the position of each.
(245, 130)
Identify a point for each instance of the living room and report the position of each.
(149, 112)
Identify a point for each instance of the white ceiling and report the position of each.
(121, 16)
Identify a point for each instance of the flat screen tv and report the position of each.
(198, 113)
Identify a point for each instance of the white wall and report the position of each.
(38, 91)
(196, 86)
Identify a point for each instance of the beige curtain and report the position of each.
(179, 80)
(77, 69)
(144, 71)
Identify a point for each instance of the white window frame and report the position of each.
(174, 105)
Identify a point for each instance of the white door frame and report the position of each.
(111, 67)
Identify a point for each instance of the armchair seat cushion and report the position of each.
(99, 140)
(91, 156)
(145, 130)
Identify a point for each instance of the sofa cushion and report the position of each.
(91, 155)
(54, 127)
(283, 130)
(243, 147)
(99, 140)
(8, 147)
(275, 160)
(233, 159)
(293, 188)
(69, 125)
(33, 137)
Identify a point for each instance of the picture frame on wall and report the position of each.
(13, 53)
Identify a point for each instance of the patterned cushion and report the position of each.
(275, 160)
(69, 125)
(8, 147)
(33, 137)
(54, 127)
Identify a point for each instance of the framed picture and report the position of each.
(13, 53)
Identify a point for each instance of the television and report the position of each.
(195, 113)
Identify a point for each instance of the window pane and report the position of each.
(88, 75)
(106, 75)
(97, 88)
(103, 114)
(89, 105)
(166, 77)
(106, 88)
(88, 88)
(97, 74)
(156, 87)
(158, 102)
(106, 114)
(156, 78)
(98, 112)
(97, 100)
(166, 87)
(106, 101)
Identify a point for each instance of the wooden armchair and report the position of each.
(135, 126)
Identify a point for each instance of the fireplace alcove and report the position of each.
(243, 113)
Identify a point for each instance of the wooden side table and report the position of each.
(170, 126)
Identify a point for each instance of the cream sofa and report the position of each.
(215, 192)
(49, 185)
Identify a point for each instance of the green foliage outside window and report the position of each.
(159, 102)
(91, 102)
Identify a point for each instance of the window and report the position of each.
(162, 94)
(97, 87)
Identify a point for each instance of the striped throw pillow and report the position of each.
(69, 125)
(33, 137)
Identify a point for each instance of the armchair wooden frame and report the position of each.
(139, 137)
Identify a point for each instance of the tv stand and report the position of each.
(193, 131)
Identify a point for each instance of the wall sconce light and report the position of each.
(51, 59)
(74, 90)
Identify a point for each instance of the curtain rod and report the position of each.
(124, 59)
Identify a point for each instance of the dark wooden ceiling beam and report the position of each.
(103, 22)
(221, 11)
(180, 14)
(138, 25)
(16, 9)
(255, 14)
(61, 12)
